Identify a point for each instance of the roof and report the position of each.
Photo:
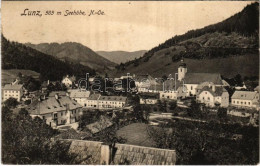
(203, 84)
(167, 85)
(257, 88)
(13, 87)
(218, 90)
(99, 125)
(149, 95)
(79, 94)
(244, 95)
(71, 78)
(51, 105)
(112, 98)
(73, 134)
(144, 77)
(197, 78)
(140, 155)
(182, 64)
(94, 97)
(89, 152)
(60, 93)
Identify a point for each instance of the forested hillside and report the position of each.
(19, 56)
(232, 44)
(121, 56)
(75, 53)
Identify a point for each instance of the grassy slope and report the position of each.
(10, 75)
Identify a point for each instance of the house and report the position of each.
(12, 90)
(80, 96)
(192, 80)
(173, 90)
(144, 82)
(68, 81)
(211, 95)
(97, 101)
(58, 110)
(248, 99)
(98, 153)
(149, 98)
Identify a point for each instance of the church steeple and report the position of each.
(182, 70)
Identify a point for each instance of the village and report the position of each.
(123, 109)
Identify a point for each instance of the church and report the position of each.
(193, 80)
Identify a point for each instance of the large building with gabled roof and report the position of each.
(12, 91)
(57, 110)
(192, 80)
(245, 99)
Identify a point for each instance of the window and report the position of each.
(191, 87)
(249, 103)
(208, 98)
(43, 117)
(241, 102)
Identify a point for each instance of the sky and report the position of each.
(126, 26)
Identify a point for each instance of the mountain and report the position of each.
(18, 56)
(121, 56)
(229, 47)
(74, 52)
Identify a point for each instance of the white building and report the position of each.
(96, 101)
(245, 99)
(58, 110)
(111, 102)
(14, 91)
(80, 96)
(68, 81)
(212, 95)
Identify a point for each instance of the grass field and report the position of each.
(10, 75)
(136, 134)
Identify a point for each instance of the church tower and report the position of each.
(182, 70)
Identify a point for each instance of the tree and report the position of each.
(138, 112)
(11, 102)
(194, 110)
(28, 141)
(173, 105)
(222, 113)
(89, 117)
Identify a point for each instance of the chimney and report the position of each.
(48, 82)
(67, 94)
(106, 154)
(56, 96)
(213, 88)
